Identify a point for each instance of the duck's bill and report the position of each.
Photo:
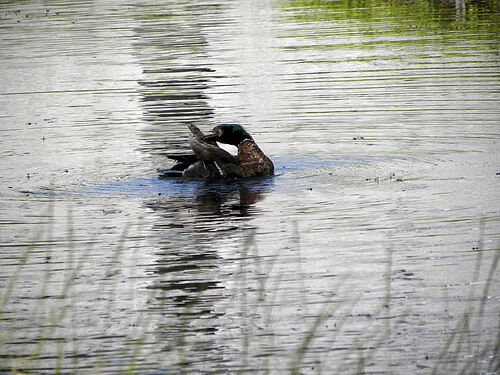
(210, 137)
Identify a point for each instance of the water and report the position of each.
(373, 249)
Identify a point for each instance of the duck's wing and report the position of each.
(206, 169)
(208, 160)
(208, 150)
(196, 132)
(168, 173)
(183, 158)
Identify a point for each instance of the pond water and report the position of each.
(373, 249)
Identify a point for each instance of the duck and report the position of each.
(208, 160)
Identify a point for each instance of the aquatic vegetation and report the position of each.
(257, 282)
(419, 15)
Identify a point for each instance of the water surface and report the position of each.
(374, 248)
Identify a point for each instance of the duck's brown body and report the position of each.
(252, 161)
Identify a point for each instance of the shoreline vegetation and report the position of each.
(45, 351)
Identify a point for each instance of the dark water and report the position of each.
(374, 249)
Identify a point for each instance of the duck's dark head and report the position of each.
(232, 134)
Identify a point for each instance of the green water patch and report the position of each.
(479, 19)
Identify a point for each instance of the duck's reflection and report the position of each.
(200, 231)
(235, 198)
(192, 229)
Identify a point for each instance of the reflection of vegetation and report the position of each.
(415, 14)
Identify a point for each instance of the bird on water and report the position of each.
(208, 160)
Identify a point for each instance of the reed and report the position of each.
(453, 357)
